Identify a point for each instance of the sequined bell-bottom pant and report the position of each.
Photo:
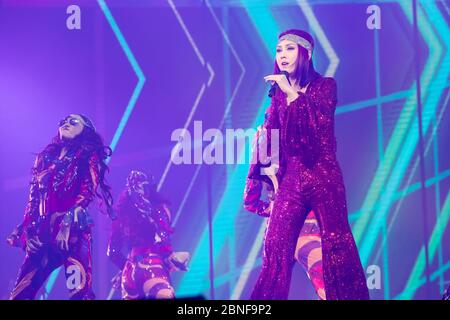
(320, 189)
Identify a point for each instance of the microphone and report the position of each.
(274, 86)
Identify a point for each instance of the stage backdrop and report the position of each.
(142, 69)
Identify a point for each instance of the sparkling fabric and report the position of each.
(57, 185)
(311, 180)
(77, 264)
(308, 251)
(140, 245)
(133, 229)
(146, 277)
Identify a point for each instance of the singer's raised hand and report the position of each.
(284, 86)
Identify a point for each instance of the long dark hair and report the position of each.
(86, 144)
(305, 72)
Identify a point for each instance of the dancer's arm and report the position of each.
(28, 226)
(117, 239)
(165, 230)
(116, 244)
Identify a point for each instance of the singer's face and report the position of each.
(287, 55)
(71, 126)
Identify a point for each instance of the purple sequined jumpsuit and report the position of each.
(311, 179)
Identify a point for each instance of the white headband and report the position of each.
(300, 41)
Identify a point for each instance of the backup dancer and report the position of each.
(56, 229)
(140, 243)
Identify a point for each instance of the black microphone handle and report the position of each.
(274, 86)
(272, 90)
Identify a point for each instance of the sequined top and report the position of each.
(306, 126)
(140, 224)
(58, 185)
